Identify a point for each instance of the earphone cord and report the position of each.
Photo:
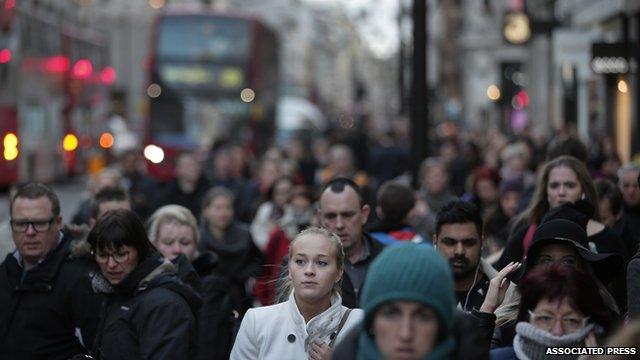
(475, 278)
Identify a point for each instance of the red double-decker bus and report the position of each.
(212, 76)
(52, 94)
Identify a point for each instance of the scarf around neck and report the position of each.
(531, 343)
(323, 325)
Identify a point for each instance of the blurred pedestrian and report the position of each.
(298, 215)
(142, 189)
(47, 307)
(433, 194)
(313, 318)
(560, 308)
(106, 178)
(610, 208)
(484, 189)
(628, 178)
(239, 259)
(189, 185)
(395, 203)
(271, 211)
(107, 199)
(148, 312)
(343, 211)
(499, 219)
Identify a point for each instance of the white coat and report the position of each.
(279, 332)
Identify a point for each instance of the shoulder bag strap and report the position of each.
(345, 316)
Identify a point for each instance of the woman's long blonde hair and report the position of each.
(285, 285)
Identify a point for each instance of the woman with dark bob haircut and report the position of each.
(560, 307)
(147, 312)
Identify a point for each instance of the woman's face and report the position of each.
(282, 192)
(563, 186)
(116, 264)
(487, 191)
(405, 330)
(174, 239)
(558, 254)
(219, 212)
(509, 203)
(314, 268)
(557, 317)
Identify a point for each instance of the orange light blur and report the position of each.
(106, 140)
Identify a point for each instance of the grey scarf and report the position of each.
(531, 343)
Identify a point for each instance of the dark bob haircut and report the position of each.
(558, 282)
(118, 228)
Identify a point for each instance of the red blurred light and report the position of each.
(56, 64)
(9, 4)
(5, 56)
(82, 69)
(522, 98)
(108, 75)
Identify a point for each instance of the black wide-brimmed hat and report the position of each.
(562, 231)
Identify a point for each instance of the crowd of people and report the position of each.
(325, 249)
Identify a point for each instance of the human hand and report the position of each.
(498, 288)
(319, 351)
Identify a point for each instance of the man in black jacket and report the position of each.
(343, 211)
(48, 309)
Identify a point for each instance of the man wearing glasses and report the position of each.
(47, 307)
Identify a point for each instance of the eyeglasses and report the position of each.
(547, 322)
(38, 225)
(118, 257)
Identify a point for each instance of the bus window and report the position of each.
(203, 38)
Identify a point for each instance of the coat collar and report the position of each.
(322, 326)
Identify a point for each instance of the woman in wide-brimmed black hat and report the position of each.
(560, 242)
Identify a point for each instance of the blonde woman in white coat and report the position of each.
(313, 319)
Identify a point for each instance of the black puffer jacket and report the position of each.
(40, 313)
(149, 315)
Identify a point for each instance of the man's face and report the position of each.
(460, 244)
(188, 169)
(107, 206)
(342, 214)
(629, 187)
(34, 244)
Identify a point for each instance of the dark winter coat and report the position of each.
(218, 317)
(40, 313)
(149, 315)
(350, 295)
(633, 287)
(470, 343)
(174, 194)
(239, 258)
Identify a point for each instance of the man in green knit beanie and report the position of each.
(409, 305)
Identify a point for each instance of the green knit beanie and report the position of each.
(411, 272)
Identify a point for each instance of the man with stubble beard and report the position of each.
(459, 239)
(343, 211)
